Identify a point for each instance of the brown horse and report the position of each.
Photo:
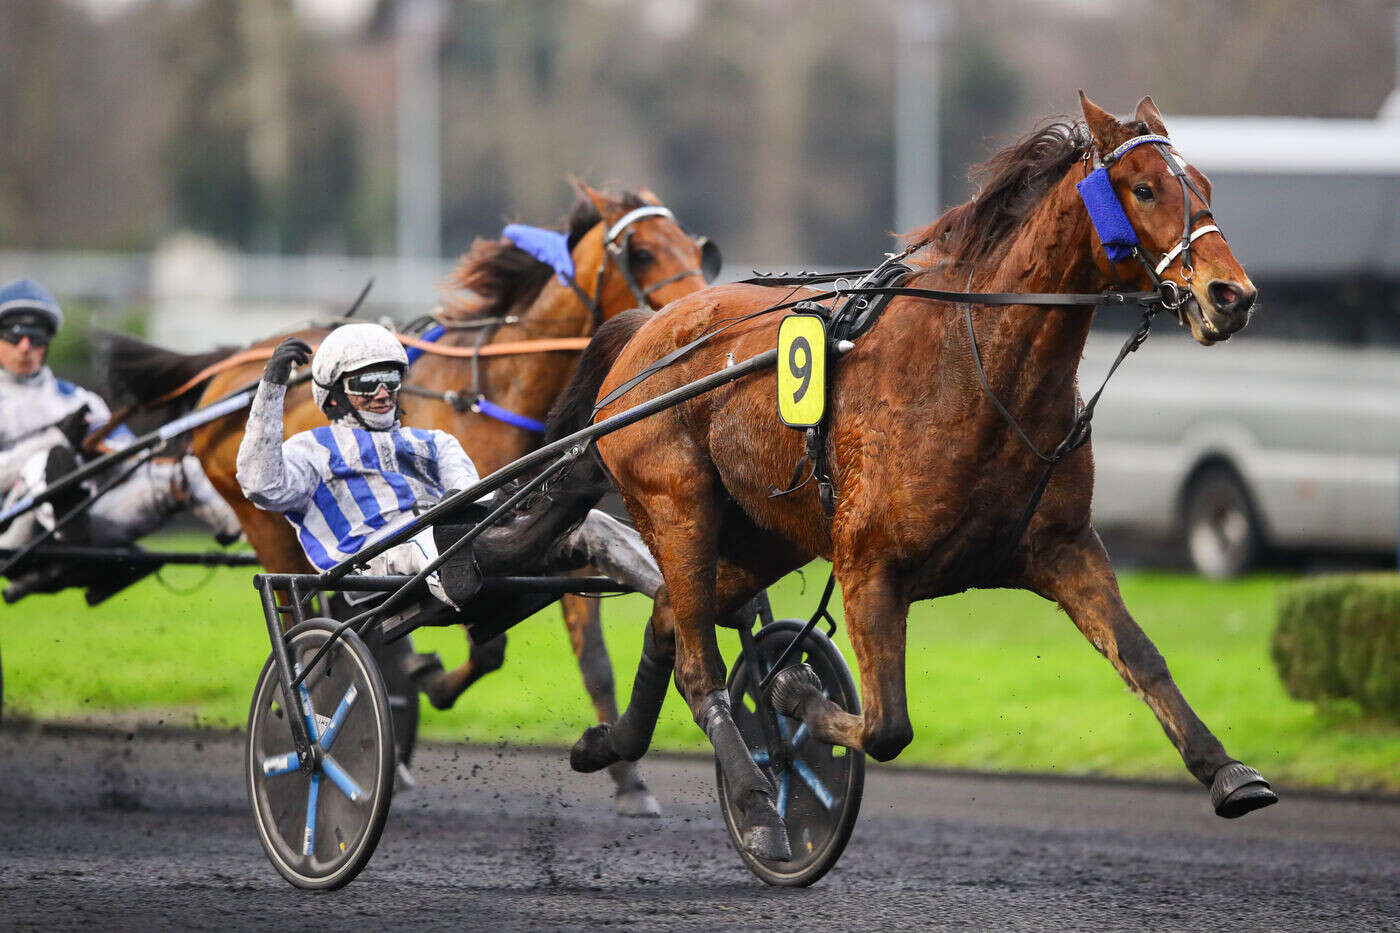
(517, 298)
(928, 474)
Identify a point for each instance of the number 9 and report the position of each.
(804, 371)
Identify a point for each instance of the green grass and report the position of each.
(997, 680)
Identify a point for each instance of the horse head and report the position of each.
(636, 254)
(1167, 203)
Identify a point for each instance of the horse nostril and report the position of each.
(1229, 298)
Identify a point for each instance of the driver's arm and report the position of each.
(455, 468)
(271, 474)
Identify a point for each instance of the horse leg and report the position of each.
(688, 513)
(628, 738)
(582, 619)
(750, 562)
(876, 617)
(1077, 574)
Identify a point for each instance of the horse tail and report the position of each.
(574, 410)
(564, 501)
(138, 371)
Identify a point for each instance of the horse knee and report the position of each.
(884, 740)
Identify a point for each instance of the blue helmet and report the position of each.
(28, 295)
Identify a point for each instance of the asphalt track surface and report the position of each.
(102, 831)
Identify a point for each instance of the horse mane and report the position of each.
(497, 276)
(1010, 185)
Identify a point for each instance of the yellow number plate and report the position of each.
(801, 370)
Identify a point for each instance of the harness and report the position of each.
(867, 298)
(551, 248)
(1116, 233)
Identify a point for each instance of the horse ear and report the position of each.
(649, 196)
(1148, 113)
(601, 202)
(1103, 126)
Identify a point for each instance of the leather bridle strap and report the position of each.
(615, 243)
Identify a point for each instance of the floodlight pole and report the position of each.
(418, 29)
(918, 31)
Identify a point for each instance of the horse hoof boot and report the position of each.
(637, 802)
(594, 750)
(791, 686)
(1239, 789)
(765, 835)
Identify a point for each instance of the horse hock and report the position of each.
(764, 834)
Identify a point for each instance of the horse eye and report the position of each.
(640, 256)
(1142, 192)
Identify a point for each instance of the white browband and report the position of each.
(632, 216)
(1175, 251)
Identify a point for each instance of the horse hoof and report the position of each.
(438, 689)
(594, 750)
(791, 686)
(1239, 789)
(765, 837)
(637, 802)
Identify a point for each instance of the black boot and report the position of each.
(60, 463)
(460, 576)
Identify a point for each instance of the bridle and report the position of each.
(1116, 233)
(617, 240)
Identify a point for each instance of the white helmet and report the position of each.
(348, 348)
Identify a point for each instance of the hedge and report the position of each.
(1338, 637)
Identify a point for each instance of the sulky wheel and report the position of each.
(320, 829)
(394, 661)
(818, 786)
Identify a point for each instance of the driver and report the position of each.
(365, 476)
(43, 422)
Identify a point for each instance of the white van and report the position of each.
(1288, 435)
(1260, 442)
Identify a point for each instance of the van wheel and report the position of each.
(1223, 535)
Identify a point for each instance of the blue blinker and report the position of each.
(1106, 211)
(548, 246)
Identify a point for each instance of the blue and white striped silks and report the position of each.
(340, 486)
(368, 483)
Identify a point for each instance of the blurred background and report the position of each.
(206, 171)
(211, 171)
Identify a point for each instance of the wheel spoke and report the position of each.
(278, 765)
(306, 707)
(759, 756)
(308, 841)
(784, 786)
(338, 720)
(805, 772)
(341, 779)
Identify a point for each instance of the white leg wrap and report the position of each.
(617, 551)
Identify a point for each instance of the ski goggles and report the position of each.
(368, 383)
(15, 331)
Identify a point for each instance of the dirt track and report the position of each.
(103, 832)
